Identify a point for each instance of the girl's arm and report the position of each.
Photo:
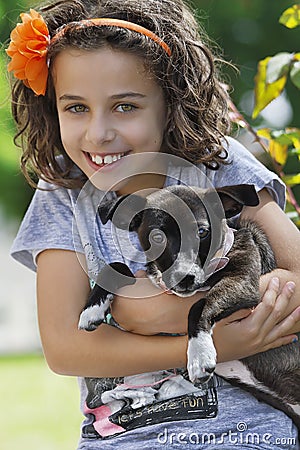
(284, 238)
(62, 289)
(267, 326)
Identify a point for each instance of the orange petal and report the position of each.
(34, 67)
(14, 35)
(40, 27)
(32, 15)
(25, 32)
(11, 49)
(36, 46)
(20, 74)
(39, 84)
(28, 50)
(26, 17)
(18, 61)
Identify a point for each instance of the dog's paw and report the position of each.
(93, 316)
(202, 357)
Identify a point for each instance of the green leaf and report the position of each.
(281, 143)
(295, 151)
(289, 136)
(265, 133)
(291, 17)
(291, 180)
(283, 139)
(294, 216)
(278, 66)
(265, 92)
(277, 150)
(295, 74)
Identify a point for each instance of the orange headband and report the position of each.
(105, 21)
(30, 41)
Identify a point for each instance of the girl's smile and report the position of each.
(100, 161)
(110, 107)
(105, 159)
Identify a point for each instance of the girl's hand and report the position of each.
(247, 332)
(147, 310)
(242, 334)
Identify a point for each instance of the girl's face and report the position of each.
(109, 107)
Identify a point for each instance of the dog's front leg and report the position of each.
(201, 354)
(111, 277)
(221, 302)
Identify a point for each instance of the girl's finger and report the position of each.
(282, 328)
(277, 312)
(265, 307)
(284, 340)
(272, 306)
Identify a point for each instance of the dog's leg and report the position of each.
(220, 302)
(237, 374)
(278, 370)
(112, 277)
(201, 351)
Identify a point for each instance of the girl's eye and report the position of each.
(77, 109)
(125, 107)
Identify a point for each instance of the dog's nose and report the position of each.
(187, 282)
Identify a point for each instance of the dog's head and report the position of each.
(180, 228)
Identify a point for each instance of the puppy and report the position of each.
(189, 247)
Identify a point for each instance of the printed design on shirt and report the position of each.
(94, 263)
(122, 404)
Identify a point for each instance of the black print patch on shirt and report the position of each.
(189, 407)
(127, 407)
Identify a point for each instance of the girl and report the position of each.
(103, 92)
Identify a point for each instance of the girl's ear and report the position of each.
(125, 212)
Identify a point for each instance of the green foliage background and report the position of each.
(246, 30)
(15, 194)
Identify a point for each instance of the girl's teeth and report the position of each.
(108, 159)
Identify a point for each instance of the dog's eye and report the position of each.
(157, 237)
(203, 232)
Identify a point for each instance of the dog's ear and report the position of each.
(125, 212)
(235, 197)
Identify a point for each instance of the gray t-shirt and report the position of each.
(162, 409)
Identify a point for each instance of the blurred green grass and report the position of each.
(40, 410)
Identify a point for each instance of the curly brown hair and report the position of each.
(196, 99)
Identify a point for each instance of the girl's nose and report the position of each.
(99, 131)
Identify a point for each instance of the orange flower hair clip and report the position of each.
(28, 49)
(30, 41)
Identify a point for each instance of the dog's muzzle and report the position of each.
(187, 277)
